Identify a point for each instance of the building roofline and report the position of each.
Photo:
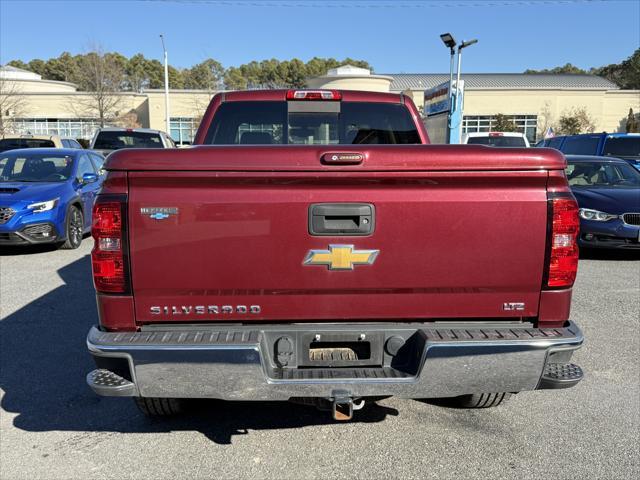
(179, 90)
(532, 89)
(354, 75)
(35, 80)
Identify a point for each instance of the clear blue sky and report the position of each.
(393, 35)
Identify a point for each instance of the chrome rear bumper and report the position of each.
(241, 362)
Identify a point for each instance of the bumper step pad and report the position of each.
(105, 382)
(560, 375)
(340, 374)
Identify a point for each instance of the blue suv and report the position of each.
(47, 194)
(620, 145)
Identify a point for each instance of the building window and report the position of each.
(526, 124)
(63, 127)
(183, 129)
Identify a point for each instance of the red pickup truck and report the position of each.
(312, 247)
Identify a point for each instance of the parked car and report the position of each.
(108, 139)
(46, 195)
(619, 145)
(608, 194)
(71, 143)
(12, 142)
(312, 246)
(496, 139)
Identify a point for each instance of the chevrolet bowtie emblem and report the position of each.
(341, 257)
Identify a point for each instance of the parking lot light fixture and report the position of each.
(450, 43)
(460, 48)
(467, 44)
(166, 87)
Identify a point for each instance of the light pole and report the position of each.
(460, 47)
(450, 42)
(166, 87)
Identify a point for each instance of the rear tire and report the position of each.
(480, 400)
(75, 229)
(159, 407)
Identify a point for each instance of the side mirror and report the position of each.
(89, 178)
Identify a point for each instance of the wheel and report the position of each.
(159, 407)
(75, 229)
(479, 400)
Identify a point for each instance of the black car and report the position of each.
(608, 194)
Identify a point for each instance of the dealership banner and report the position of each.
(443, 112)
(437, 99)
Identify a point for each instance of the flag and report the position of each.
(549, 133)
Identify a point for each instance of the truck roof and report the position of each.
(494, 134)
(281, 95)
(124, 129)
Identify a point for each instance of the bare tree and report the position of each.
(545, 121)
(12, 104)
(199, 103)
(102, 77)
(128, 120)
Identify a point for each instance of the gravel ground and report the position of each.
(52, 426)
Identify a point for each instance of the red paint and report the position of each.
(555, 306)
(461, 230)
(301, 158)
(116, 313)
(451, 244)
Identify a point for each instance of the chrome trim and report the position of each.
(239, 364)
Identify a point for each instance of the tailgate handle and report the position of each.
(342, 158)
(341, 219)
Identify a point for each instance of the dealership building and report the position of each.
(531, 101)
(48, 107)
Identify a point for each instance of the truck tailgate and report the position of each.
(451, 243)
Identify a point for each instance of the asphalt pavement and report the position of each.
(52, 426)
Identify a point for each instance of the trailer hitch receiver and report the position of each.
(343, 405)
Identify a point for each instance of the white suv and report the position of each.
(109, 139)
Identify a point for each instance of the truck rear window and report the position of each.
(497, 141)
(581, 145)
(269, 123)
(114, 140)
(622, 146)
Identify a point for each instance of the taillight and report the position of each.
(109, 257)
(314, 95)
(562, 246)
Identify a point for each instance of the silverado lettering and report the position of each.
(322, 250)
(202, 310)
